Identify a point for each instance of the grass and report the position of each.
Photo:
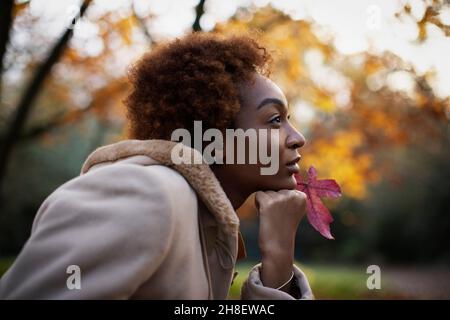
(327, 282)
(5, 263)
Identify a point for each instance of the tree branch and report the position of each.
(53, 124)
(141, 23)
(31, 92)
(199, 11)
(6, 18)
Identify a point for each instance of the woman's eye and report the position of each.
(276, 119)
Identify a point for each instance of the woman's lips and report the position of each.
(292, 166)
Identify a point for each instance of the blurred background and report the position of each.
(368, 83)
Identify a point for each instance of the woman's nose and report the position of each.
(295, 139)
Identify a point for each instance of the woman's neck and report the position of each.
(234, 191)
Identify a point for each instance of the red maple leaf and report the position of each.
(318, 215)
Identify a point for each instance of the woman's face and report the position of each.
(264, 106)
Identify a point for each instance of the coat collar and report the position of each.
(199, 176)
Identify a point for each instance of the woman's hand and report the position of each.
(279, 215)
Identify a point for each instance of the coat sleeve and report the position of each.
(112, 223)
(253, 288)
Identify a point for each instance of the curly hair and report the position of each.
(195, 77)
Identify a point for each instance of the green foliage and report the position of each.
(329, 282)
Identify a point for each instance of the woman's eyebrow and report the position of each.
(268, 101)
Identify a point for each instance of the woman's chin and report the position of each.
(291, 182)
(281, 183)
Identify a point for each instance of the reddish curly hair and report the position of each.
(191, 78)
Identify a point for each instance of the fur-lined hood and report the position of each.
(199, 176)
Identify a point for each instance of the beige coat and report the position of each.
(139, 227)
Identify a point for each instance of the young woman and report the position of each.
(137, 225)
